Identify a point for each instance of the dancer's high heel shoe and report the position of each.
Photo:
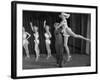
(88, 40)
(69, 58)
(48, 56)
(64, 61)
(37, 58)
(27, 57)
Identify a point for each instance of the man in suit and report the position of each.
(58, 44)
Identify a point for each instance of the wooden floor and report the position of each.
(77, 61)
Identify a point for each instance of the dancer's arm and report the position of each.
(31, 26)
(44, 24)
(28, 35)
(60, 24)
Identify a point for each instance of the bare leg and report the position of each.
(71, 33)
(67, 48)
(79, 36)
(48, 50)
(69, 56)
(27, 51)
(37, 52)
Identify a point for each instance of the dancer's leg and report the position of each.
(79, 36)
(68, 52)
(48, 50)
(27, 50)
(37, 52)
(71, 33)
(67, 48)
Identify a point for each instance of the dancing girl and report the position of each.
(67, 32)
(36, 41)
(47, 41)
(25, 41)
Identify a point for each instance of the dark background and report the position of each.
(78, 22)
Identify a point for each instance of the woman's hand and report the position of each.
(44, 23)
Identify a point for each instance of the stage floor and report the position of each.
(78, 60)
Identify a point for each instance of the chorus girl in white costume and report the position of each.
(25, 41)
(36, 41)
(47, 41)
(67, 32)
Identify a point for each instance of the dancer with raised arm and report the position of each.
(36, 41)
(25, 41)
(47, 41)
(68, 32)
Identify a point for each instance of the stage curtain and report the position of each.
(80, 24)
